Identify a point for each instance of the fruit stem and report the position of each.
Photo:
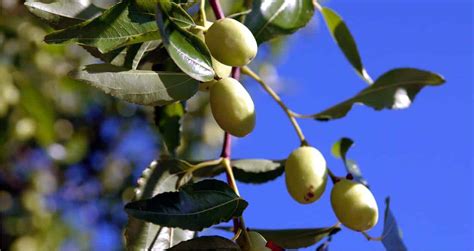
(217, 9)
(370, 238)
(247, 71)
(333, 177)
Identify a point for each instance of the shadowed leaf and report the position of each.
(159, 177)
(395, 89)
(392, 235)
(339, 150)
(138, 86)
(206, 243)
(269, 18)
(194, 207)
(168, 118)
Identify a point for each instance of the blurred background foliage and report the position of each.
(69, 154)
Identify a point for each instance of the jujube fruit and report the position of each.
(231, 42)
(354, 205)
(306, 174)
(232, 107)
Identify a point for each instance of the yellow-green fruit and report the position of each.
(231, 42)
(232, 107)
(354, 205)
(257, 242)
(221, 70)
(306, 174)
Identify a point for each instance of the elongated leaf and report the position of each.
(254, 171)
(194, 207)
(188, 51)
(395, 89)
(207, 243)
(168, 120)
(272, 18)
(339, 150)
(121, 25)
(137, 86)
(64, 13)
(136, 52)
(343, 37)
(392, 235)
(161, 176)
(294, 238)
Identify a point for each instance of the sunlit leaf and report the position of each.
(159, 177)
(207, 243)
(138, 86)
(188, 51)
(272, 18)
(343, 37)
(121, 25)
(395, 89)
(392, 235)
(194, 207)
(63, 13)
(168, 120)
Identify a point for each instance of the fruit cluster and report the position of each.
(232, 44)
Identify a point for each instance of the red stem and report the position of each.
(226, 147)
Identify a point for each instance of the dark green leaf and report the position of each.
(136, 52)
(341, 34)
(64, 13)
(207, 243)
(392, 235)
(395, 89)
(194, 207)
(159, 177)
(168, 120)
(294, 238)
(121, 25)
(254, 171)
(188, 51)
(271, 18)
(137, 86)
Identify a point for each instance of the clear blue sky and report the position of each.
(421, 157)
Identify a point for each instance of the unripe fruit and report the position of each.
(306, 174)
(257, 242)
(231, 42)
(232, 107)
(354, 205)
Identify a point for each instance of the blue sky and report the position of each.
(421, 157)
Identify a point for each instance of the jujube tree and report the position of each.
(160, 53)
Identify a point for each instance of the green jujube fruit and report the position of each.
(232, 107)
(231, 42)
(306, 174)
(354, 205)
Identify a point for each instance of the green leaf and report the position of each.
(63, 13)
(136, 52)
(395, 89)
(343, 37)
(272, 18)
(296, 238)
(392, 235)
(168, 120)
(207, 243)
(189, 53)
(194, 207)
(121, 25)
(255, 171)
(159, 177)
(138, 86)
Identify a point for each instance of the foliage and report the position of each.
(157, 60)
